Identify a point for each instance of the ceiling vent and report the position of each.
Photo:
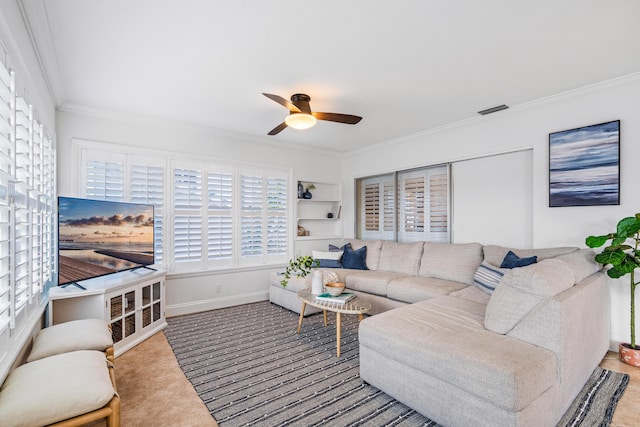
(493, 109)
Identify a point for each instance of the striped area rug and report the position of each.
(251, 368)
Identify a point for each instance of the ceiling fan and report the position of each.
(301, 117)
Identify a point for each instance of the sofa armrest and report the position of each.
(575, 325)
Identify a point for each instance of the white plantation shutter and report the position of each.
(251, 205)
(103, 175)
(277, 236)
(6, 172)
(146, 186)
(389, 206)
(377, 207)
(419, 209)
(220, 215)
(438, 203)
(372, 207)
(187, 223)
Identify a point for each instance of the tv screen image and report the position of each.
(97, 237)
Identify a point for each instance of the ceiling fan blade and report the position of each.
(285, 103)
(276, 130)
(337, 117)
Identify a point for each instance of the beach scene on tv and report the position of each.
(98, 237)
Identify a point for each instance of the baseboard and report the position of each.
(212, 304)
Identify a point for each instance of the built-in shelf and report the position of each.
(311, 214)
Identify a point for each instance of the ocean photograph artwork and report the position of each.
(584, 166)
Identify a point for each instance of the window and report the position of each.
(406, 206)
(208, 215)
(27, 195)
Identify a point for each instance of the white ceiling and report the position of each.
(404, 65)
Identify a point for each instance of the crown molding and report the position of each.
(135, 118)
(604, 86)
(36, 21)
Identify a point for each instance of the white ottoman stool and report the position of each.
(85, 334)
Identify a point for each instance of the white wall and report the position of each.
(202, 291)
(493, 187)
(528, 126)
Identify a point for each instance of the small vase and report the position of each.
(629, 355)
(307, 194)
(317, 284)
(300, 190)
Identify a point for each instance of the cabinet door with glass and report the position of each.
(152, 301)
(121, 310)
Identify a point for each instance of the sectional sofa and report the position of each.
(448, 345)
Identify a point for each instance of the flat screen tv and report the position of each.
(98, 237)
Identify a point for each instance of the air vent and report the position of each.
(493, 109)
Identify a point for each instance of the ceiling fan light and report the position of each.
(300, 120)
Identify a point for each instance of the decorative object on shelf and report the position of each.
(317, 285)
(329, 215)
(584, 166)
(624, 259)
(307, 194)
(301, 231)
(300, 267)
(300, 190)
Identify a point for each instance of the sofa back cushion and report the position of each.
(451, 261)
(401, 257)
(373, 250)
(522, 289)
(494, 254)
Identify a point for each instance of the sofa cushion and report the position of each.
(401, 257)
(512, 260)
(354, 259)
(331, 259)
(415, 288)
(55, 388)
(85, 334)
(472, 293)
(445, 338)
(373, 250)
(494, 254)
(373, 282)
(487, 277)
(522, 289)
(582, 263)
(451, 261)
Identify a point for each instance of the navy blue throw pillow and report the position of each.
(329, 263)
(354, 259)
(512, 260)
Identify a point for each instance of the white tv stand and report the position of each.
(132, 302)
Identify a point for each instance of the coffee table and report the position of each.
(355, 306)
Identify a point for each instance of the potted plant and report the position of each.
(623, 255)
(300, 266)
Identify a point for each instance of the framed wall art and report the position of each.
(584, 166)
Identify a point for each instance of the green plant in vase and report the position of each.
(300, 266)
(623, 257)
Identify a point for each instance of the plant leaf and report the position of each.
(614, 273)
(596, 241)
(627, 227)
(628, 264)
(618, 241)
(613, 257)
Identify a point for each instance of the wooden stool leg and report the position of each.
(338, 334)
(304, 305)
(360, 317)
(325, 318)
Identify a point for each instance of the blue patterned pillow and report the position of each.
(512, 260)
(354, 259)
(487, 277)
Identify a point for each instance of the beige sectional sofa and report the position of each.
(462, 356)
